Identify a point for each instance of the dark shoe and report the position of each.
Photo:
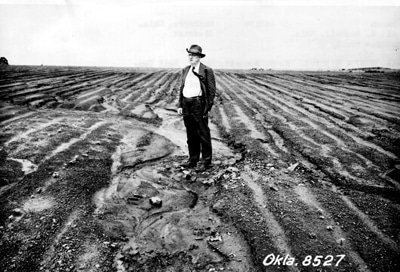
(203, 167)
(189, 164)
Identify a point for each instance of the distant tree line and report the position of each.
(369, 69)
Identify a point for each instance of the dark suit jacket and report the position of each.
(207, 83)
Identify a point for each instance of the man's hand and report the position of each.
(180, 111)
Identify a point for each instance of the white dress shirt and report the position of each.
(192, 86)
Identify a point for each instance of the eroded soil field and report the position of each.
(306, 166)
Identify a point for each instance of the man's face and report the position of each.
(193, 59)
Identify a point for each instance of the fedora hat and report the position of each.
(195, 49)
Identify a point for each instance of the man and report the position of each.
(196, 98)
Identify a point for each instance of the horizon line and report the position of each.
(247, 69)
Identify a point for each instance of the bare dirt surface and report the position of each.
(305, 175)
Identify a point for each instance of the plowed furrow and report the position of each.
(257, 110)
(62, 208)
(138, 80)
(149, 82)
(274, 228)
(163, 88)
(144, 89)
(293, 110)
(344, 109)
(326, 142)
(371, 248)
(66, 145)
(360, 134)
(225, 120)
(386, 81)
(35, 126)
(14, 116)
(326, 223)
(343, 87)
(261, 130)
(332, 99)
(390, 243)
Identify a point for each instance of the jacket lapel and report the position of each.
(201, 70)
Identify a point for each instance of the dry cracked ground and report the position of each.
(305, 174)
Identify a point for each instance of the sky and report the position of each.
(236, 34)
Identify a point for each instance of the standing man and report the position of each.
(196, 97)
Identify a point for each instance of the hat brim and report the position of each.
(201, 55)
